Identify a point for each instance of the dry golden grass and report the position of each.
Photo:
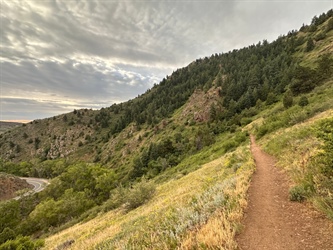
(220, 230)
(147, 226)
(294, 146)
(296, 149)
(216, 234)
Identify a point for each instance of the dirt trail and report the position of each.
(271, 221)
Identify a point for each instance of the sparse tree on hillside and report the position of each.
(64, 118)
(288, 99)
(309, 45)
(325, 66)
(213, 113)
(304, 28)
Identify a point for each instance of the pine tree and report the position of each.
(288, 99)
(213, 113)
(309, 45)
(325, 66)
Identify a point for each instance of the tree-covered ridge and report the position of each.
(246, 76)
(249, 76)
(246, 79)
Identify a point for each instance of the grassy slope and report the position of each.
(200, 205)
(178, 215)
(203, 208)
(193, 198)
(292, 138)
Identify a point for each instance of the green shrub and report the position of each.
(270, 126)
(323, 165)
(9, 214)
(325, 132)
(52, 212)
(7, 234)
(245, 121)
(303, 101)
(297, 117)
(309, 45)
(288, 99)
(140, 194)
(297, 193)
(22, 243)
(117, 198)
(320, 36)
(130, 198)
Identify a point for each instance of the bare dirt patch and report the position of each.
(271, 221)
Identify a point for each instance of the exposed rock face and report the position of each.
(198, 107)
(10, 184)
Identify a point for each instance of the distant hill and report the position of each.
(4, 126)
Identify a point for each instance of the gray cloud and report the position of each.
(26, 108)
(60, 55)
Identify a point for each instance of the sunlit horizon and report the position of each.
(19, 121)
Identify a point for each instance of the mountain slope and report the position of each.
(4, 126)
(258, 72)
(184, 141)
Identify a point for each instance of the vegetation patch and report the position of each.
(130, 198)
(22, 242)
(298, 193)
(179, 210)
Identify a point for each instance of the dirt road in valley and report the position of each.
(38, 183)
(271, 221)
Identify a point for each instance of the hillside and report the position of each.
(10, 184)
(4, 126)
(171, 168)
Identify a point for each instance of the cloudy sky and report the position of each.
(61, 55)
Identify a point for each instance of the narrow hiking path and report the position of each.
(271, 221)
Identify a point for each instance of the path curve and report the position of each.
(271, 221)
(38, 183)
